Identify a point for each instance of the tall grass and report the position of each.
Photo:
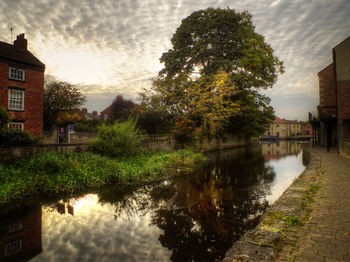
(74, 172)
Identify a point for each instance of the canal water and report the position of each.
(187, 218)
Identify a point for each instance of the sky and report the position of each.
(111, 47)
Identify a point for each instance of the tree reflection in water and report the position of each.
(203, 214)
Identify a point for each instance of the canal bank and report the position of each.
(194, 217)
(309, 222)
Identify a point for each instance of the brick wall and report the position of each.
(82, 137)
(327, 90)
(164, 142)
(33, 100)
(50, 136)
(107, 113)
(346, 127)
(343, 100)
(229, 141)
(23, 151)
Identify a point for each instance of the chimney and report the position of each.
(20, 42)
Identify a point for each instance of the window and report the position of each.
(16, 99)
(15, 226)
(17, 74)
(16, 125)
(13, 247)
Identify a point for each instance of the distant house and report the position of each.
(282, 128)
(89, 116)
(279, 150)
(119, 109)
(334, 97)
(107, 113)
(22, 86)
(307, 129)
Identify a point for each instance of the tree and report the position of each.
(60, 97)
(151, 115)
(212, 73)
(121, 108)
(256, 114)
(221, 39)
(4, 118)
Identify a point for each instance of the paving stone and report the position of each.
(325, 238)
(326, 235)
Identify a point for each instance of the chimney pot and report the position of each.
(20, 42)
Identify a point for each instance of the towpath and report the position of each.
(311, 220)
(326, 234)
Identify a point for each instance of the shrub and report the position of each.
(119, 139)
(13, 137)
(4, 118)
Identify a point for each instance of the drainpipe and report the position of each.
(336, 100)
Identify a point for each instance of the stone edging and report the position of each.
(263, 242)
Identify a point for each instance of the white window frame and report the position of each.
(14, 124)
(11, 99)
(13, 247)
(17, 74)
(15, 226)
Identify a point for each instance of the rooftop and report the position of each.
(17, 54)
(284, 121)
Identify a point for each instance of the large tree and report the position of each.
(60, 96)
(221, 39)
(213, 71)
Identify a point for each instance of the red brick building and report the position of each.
(334, 95)
(22, 86)
(21, 238)
(106, 114)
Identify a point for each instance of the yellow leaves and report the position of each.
(66, 117)
(210, 101)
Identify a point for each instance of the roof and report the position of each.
(283, 121)
(278, 120)
(9, 52)
(342, 42)
(106, 110)
(331, 64)
(89, 116)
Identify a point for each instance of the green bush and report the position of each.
(13, 137)
(4, 118)
(119, 139)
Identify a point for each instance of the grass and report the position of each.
(75, 172)
(271, 218)
(292, 221)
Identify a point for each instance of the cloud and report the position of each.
(117, 44)
(105, 238)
